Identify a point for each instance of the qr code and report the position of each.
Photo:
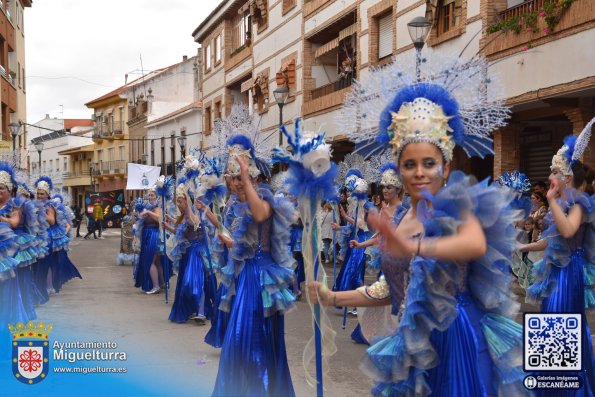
(552, 341)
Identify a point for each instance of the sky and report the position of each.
(79, 50)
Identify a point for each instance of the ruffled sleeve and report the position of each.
(57, 232)
(275, 279)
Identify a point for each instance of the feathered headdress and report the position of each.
(164, 187)
(238, 134)
(7, 175)
(367, 169)
(516, 181)
(390, 175)
(452, 104)
(572, 150)
(44, 183)
(23, 190)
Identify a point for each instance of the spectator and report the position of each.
(78, 219)
(540, 187)
(326, 232)
(90, 227)
(538, 205)
(98, 217)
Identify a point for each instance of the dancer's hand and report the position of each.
(342, 211)
(335, 226)
(393, 241)
(199, 205)
(226, 240)
(354, 244)
(319, 293)
(554, 190)
(244, 169)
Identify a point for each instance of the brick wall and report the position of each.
(506, 146)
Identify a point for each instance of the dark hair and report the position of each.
(541, 197)
(541, 184)
(579, 174)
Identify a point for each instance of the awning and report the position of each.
(246, 85)
(369, 148)
(331, 45)
(348, 31)
(82, 149)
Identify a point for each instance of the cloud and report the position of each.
(100, 42)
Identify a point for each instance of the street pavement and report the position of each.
(105, 302)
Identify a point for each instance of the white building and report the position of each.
(53, 135)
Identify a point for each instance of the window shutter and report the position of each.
(385, 36)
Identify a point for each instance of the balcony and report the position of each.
(332, 87)
(110, 168)
(533, 23)
(77, 178)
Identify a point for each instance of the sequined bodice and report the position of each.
(191, 235)
(262, 229)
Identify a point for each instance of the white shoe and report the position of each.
(153, 291)
(101, 238)
(199, 319)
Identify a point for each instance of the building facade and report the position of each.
(318, 47)
(47, 139)
(121, 118)
(13, 109)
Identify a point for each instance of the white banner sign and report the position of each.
(141, 177)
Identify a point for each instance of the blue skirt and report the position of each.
(194, 290)
(465, 367)
(28, 293)
(253, 358)
(12, 309)
(358, 337)
(148, 249)
(40, 277)
(219, 321)
(63, 270)
(569, 297)
(300, 271)
(351, 275)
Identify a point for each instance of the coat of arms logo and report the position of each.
(30, 351)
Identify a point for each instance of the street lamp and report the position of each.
(15, 128)
(281, 94)
(182, 143)
(419, 29)
(39, 148)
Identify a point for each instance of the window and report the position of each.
(242, 31)
(385, 36)
(19, 73)
(218, 49)
(51, 165)
(121, 152)
(449, 15)
(110, 154)
(65, 163)
(57, 165)
(208, 57)
(207, 127)
(217, 110)
(111, 123)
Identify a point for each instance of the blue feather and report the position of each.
(360, 195)
(243, 141)
(355, 172)
(389, 166)
(570, 141)
(302, 182)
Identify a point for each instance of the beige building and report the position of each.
(318, 47)
(13, 109)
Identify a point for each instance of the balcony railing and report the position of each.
(521, 9)
(74, 174)
(332, 87)
(110, 167)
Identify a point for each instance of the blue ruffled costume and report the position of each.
(195, 293)
(259, 275)
(147, 233)
(216, 333)
(63, 269)
(565, 280)
(455, 336)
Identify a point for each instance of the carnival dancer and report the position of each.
(216, 333)
(12, 297)
(450, 281)
(565, 277)
(148, 273)
(351, 275)
(62, 270)
(32, 246)
(193, 299)
(258, 276)
(392, 190)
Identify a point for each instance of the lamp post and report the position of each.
(39, 148)
(182, 143)
(281, 94)
(419, 28)
(91, 168)
(15, 129)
